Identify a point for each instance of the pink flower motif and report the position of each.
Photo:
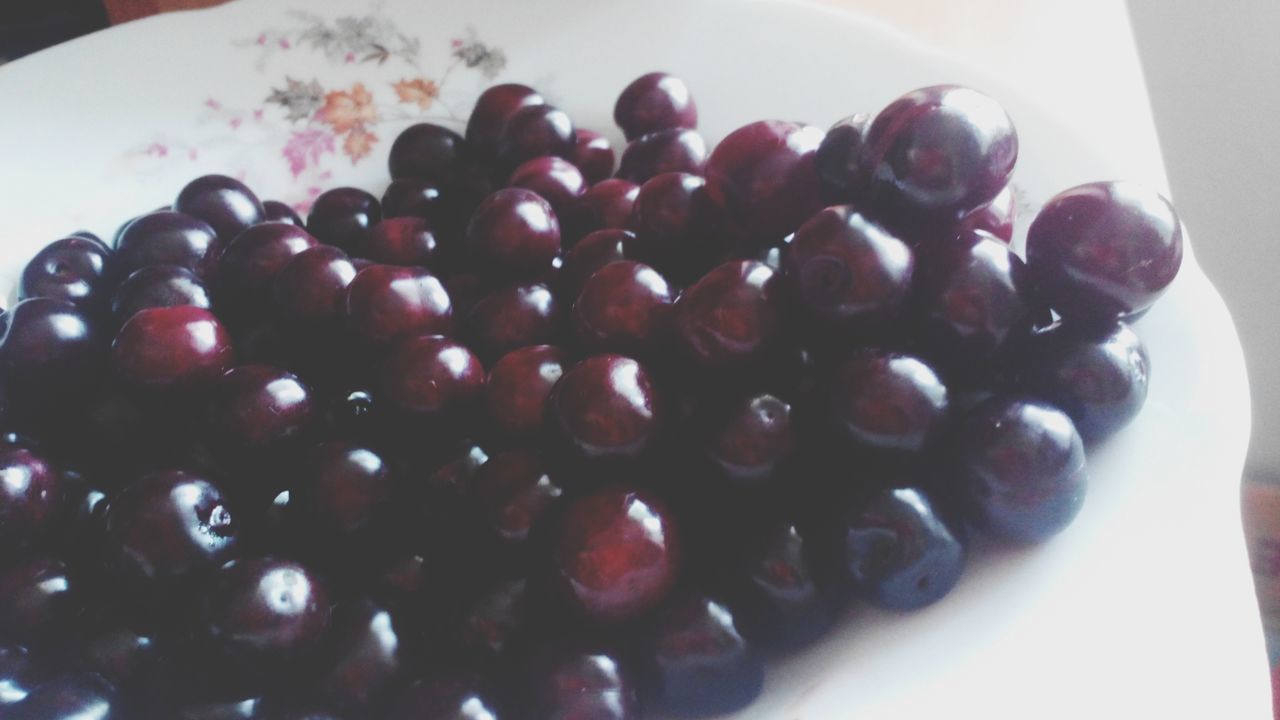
(157, 149)
(235, 123)
(305, 147)
(455, 43)
(262, 39)
(326, 175)
(303, 207)
(213, 104)
(351, 57)
(284, 44)
(257, 115)
(193, 154)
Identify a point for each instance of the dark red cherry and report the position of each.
(888, 400)
(511, 318)
(1097, 374)
(172, 348)
(310, 290)
(996, 217)
(938, 152)
(555, 179)
(432, 376)
(227, 204)
(266, 607)
(575, 685)
(365, 656)
(675, 227)
(50, 351)
(1020, 465)
(674, 150)
(399, 241)
(593, 154)
(259, 407)
(780, 601)
(341, 215)
(159, 286)
(74, 269)
(700, 662)
(588, 255)
(39, 598)
(69, 697)
(254, 258)
(443, 698)
(652, 102)
(493, 108)
(608, 204)
(624, 307)
(170, 524)
(385, 302)
(276, 211)
(513, 234)
(839, 161)
(616, 554)
(428, 152)
(898, 552)
(764, 177)
(170, 238)
(847, 270)
(342, 487)
(30, 495)
(518, 387)
(535, 130)
(1104, 250)
(515, 491)
(752, 435)
(607, 407)
(414, 197)
(19, 675)
(496, 622)
(730, 316)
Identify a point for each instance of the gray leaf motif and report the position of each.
(475, 54)
(300, 100)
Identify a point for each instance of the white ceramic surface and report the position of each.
(1143, 608)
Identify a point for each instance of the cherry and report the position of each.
(254, 258)
(535, 130)
(259, 407)
(514, 233)
(492, 110)
(607, 407)
(415, 197)
(588, 255)
(652, 102)
(780, 600)
(399, 241)
(730, 316)
(519, 386)
(838, 160)
(365, 657)
(675, 226)
(39, 598)
(342, 487)
(511, 318)
(310, 289)
(888, 400)
(699, 660)
(674, 150)
(265, 607)
(18, 675)
(593, 154)
(385, 302)
(50, 352)
(750, 437)
(227, 204)
(582, 684)
(170, 238)
(341, 215)
(433, 377)
(428, 152)
(276, 211)
(31, 494)
(159, 286)
(616, 554)
(515, 491)
(623, 308)
(1104, 250)
(556, 180)
(73, 269)
(608, 204)
(171, 348)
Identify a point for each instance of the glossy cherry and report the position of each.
(1104, 250)
(170, 524)
(310, 290)
(730, 316)
(253, 259)
(675, 226)
(845, 269)
(341, 215)
(31, 495)
(497, 622)
(39, 598)
(73, 268)
(18, 675)
(518, 387)
(342, 487)
(839, 160)
(1020, 465)
(69, 697)
(624, 307)
(514, 234)
(443, 698)
(888, 400)
(616, 554)
(385, 302)
(227, 204)
(1097, 374)
(996, 217)
(170, 238)
(937, 153)
(764, 177)
(555, 179)
(365, 656)
(50, 351)
(780, 601)
(535, 130)
(588, 255)
(513, 317)
(259, 407)
(159, 286)
(267, 607)
(652, 102)
(750, 437)
(276, 211)
(699, 660)
(415, 197)
(432, 376)
(608, 204)
(399, 241)
(594, 156)
(675, 150)
(583, 684)
(515, 491)
(607, 407)
(493, 108)
(171, 348)
(899, 552)
(428, 152)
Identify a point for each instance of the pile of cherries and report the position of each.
(531, 437)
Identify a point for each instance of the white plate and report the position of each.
(1141, 609)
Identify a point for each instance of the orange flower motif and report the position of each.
(347, 110)
(418, 90)
(359, 143)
